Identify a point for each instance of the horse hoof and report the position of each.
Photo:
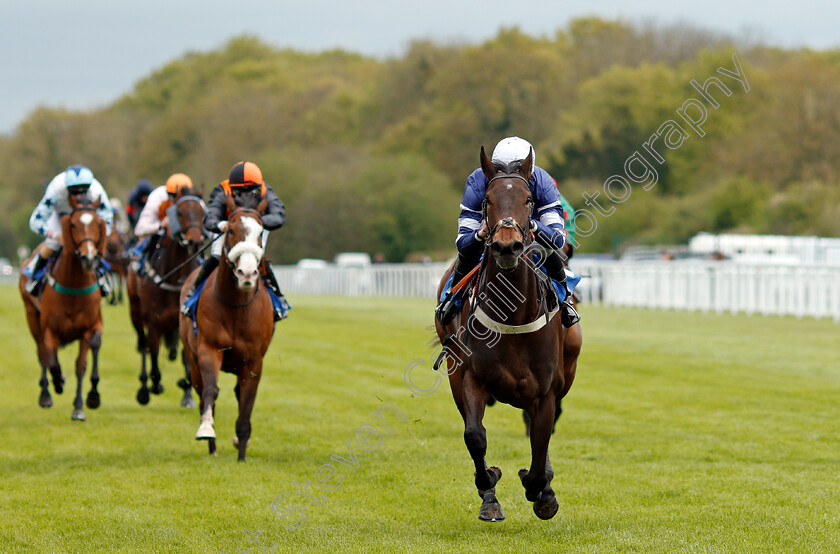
(93, 400)
(157, 388)
(546, 506)
(143, 396)
(45, 401)
(188, 402)
(78, 415)
(491, 510)
(205, 432)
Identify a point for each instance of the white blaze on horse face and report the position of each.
(247, 253)
(87, 249)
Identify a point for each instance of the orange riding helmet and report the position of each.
(176, 182)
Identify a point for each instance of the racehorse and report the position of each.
(529, 361)
(116, 254)
(69, 307)
(154, 297)
(234, 325)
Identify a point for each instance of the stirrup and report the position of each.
(568, 314)
(448, 309)
(32, 286)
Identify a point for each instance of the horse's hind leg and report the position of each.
(536, 480)
(187, 401)
(81, 366)
(95, 342)
(475, 436)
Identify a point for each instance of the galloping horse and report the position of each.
(234, 325)
(69, 306)
(154, 301)
(116, 254)
(529, 360)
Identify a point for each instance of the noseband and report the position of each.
(508, 222)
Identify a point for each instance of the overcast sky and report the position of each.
(84, 54)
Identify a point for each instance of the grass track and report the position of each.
(683, 432)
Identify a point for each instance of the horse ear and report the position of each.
(97, 203)
(231, 205)
(527, 167)
(487, 165)
(262, 205)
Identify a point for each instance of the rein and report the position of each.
(527, 235)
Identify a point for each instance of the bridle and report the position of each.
(77, 245)
(509, 222)
(226, 248)
(182, 234)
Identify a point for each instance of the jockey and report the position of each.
(152, 222)
(548, 228)
(246, 187)
(77, 181)
(137, 198)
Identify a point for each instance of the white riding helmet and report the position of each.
(77, 175)
(513, 149)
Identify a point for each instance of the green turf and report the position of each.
(683, 432)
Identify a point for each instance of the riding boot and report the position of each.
(451, 304)
(35, 265)
(557, 271)
(281, 311)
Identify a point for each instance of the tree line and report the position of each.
(372, 154)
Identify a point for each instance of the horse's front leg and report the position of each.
(475, 398)
(247, 383)
(209, 365)
(95, 342)
(50, 357)
(45, 400)
(537, 480)
(81, 366)
(154, 352)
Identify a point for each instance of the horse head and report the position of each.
(190, 214)
(84, 233)
(243, 243)
(507, 209)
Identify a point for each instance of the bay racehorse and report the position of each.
(154, 297)
(234, 325)
(116, 254)
(68, 308)
(507, 345)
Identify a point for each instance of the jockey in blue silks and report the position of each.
(548, 227)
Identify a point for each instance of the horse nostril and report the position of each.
(495, 248)
(518, 248)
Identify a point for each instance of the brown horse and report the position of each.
(116, 254)
(507, 345)
(235, 324)
(154, 298)
(69, 307)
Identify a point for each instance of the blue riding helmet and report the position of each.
(77, 175)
